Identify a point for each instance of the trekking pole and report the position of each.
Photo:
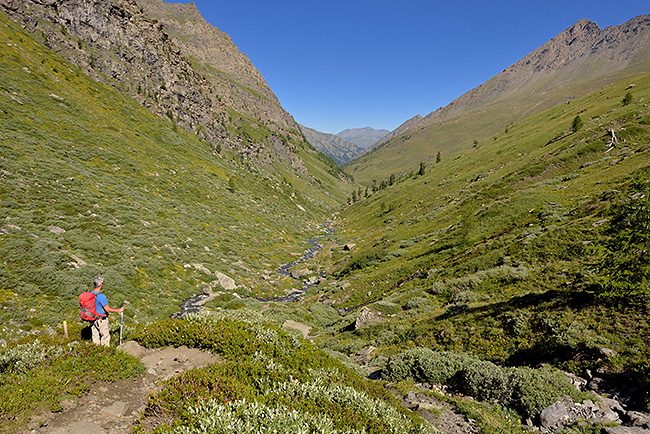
(121, 322)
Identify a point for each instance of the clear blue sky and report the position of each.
(355, 63)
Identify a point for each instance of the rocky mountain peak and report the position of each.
(583, 54)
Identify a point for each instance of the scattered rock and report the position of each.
(114, 411)
(568, 412)
(56, 230)
(639, 419)
(297, 274)
(13, 227)
(625, 430)
(607, 352)
(227, 283)
(367, 317)
(349, 246)
(202, 268)
(554, 415)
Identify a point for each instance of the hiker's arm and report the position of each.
(109, 309)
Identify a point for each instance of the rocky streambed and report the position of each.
(194, 303)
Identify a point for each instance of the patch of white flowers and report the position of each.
(244, 417)
(321, 389)
(267, 362)
(24, 357)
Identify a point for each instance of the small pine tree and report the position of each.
(577, 123)
(628, 98)
(391, 180)
(423, 168)
(438, 156)
(624, 269)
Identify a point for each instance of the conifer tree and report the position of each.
(577, 123)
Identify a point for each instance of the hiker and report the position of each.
(100, 328)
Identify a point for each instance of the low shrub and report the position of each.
(39, 372)
(525, 390)
(266, 369)
(387, 307)
(362, 260)
(415, 303)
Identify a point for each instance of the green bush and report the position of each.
(387, 307)
(526, 390)
(362, 260)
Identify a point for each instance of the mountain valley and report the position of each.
(488, 260)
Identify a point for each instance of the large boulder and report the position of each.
(367, 317)
(227, 283)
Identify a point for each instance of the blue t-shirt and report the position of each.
(100, 302)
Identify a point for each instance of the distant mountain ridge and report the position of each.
(340, 150)
(579, 60)
(362, 137)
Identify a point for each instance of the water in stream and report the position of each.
(193, 304)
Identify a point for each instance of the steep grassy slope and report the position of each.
(498, 251)
(92, 183)
(579, 60)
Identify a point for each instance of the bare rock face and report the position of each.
(133, 47)
(233, 75)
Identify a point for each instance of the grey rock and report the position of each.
(226, 282)
(554, 415)
(56, 230)
(639, 419)
(626, 430)
(366, 317)
(115, 410)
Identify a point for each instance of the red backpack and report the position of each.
(88, 312)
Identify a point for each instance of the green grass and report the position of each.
(92, 183)
(484, 249)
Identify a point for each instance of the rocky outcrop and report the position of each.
(202, 83)
(600, 410)
(237, 82)
(367, 317)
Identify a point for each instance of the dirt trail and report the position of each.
(113, 408)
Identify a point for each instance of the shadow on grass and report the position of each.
(546, 301)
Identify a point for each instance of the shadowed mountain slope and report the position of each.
(338, 149)
(362, 137)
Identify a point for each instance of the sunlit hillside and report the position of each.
(92, 183)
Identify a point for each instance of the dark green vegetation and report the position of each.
(529, 249)
(526, 390)
(92, 183)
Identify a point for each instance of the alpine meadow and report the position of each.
(481, 269)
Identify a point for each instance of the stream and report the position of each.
(193, 304)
